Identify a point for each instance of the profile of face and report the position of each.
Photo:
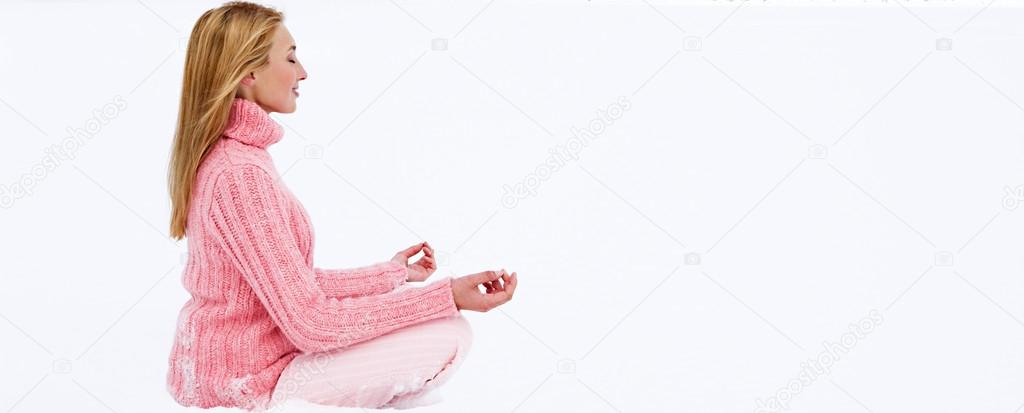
(276, 86)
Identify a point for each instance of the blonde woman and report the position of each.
(263, 323)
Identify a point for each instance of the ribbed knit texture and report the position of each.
(257, 300)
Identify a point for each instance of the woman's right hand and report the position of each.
(498, 289)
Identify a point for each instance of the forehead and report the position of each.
(283, 38)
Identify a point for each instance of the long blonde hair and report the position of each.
(226, 44)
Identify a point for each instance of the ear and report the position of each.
(248, 79)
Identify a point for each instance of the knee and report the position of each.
(450, 335)
(459, 337)
(454, 334)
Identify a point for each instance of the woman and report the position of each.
(263, 324)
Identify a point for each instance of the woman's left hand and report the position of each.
(423, 267)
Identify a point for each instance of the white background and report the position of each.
(909, 211)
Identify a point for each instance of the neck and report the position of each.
(250, 124)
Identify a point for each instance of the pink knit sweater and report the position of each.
(257, 300)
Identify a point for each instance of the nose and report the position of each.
(302, 72)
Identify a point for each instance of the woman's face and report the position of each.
(275, 87)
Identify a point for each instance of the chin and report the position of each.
(288, 107)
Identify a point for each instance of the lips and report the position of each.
(295, 90)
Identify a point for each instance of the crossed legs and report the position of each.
(399, 369)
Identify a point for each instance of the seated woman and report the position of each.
(263, 323)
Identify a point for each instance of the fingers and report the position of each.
(502, 296)
(428, 253)
(493, 280)
(502, 284)
(498, 284)
(496, 299)
(428, 263)
(413, 250)
(498, 289)
(483, 277)
(510, 285)
(494, 286)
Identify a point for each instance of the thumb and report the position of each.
(409, 252)
(482, 277)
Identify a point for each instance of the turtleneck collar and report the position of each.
(250, 124)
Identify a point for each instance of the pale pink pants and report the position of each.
(400, 369)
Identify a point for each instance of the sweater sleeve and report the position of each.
(246, 220)
(373, 279)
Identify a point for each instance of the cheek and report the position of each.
(286, 77)
(279, 80)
